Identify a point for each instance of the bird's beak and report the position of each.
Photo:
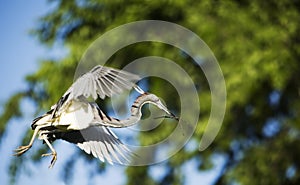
(169, 113)
(172, 116)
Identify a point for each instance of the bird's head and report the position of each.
(153, 99)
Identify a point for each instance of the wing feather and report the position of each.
(113, 87)
(84, 148)
(105, 152)
(112, 152)
(99, 152)
(93, 146)
(102, 143)
(102, 81)
(99, 82)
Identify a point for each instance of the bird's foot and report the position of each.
(54, 158)
(21, 150)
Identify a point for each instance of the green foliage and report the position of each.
(258, 47)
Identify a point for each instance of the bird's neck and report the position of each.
(134, 117)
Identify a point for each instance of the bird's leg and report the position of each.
(53, 152)
(22, 149)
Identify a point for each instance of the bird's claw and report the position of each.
(54, 158)
(21, 150)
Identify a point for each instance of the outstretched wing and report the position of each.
(99, 141)
(102, 81)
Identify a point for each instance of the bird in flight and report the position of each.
(77, 120)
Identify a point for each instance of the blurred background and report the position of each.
(257, 44)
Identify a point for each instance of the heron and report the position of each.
(78, 120)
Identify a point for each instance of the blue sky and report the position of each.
(18, 51)
(20, 54)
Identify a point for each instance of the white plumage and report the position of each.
(74, 119)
